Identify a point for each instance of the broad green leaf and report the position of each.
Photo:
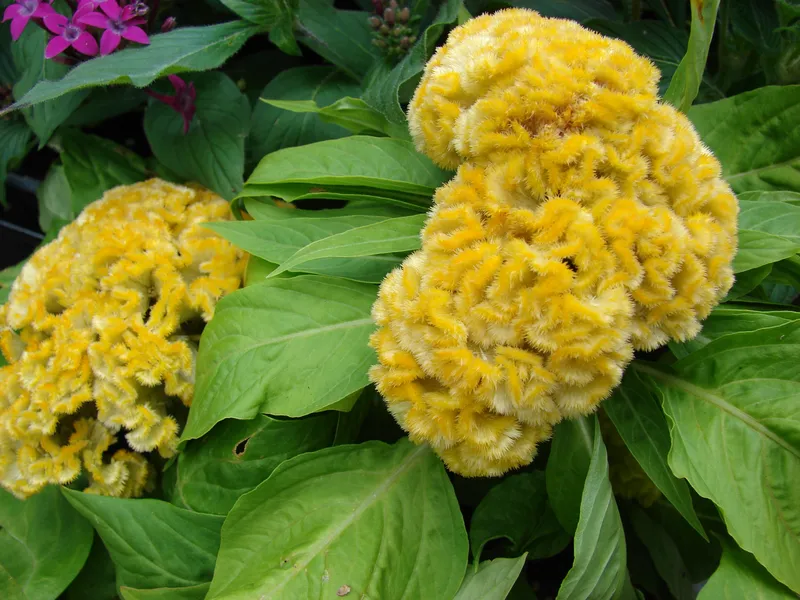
(757, 22)
(387, 89)
(8, 70)
(97, 580)
(777, 218)
(664, 553)
(517, 509)
(353, 114)
(758, 248)
(265, 349)
(258, 270)
(212, 152)
(638, 418)
(94, 165)
(106, 103)
(276, 16)
(740, 576)
(297, 192)
(771, 196)
(15, 141)
(686, 80)
(725, 320)
(384, 164)
(28, 53)
(342, 37)
(366, 521)
(184, 49)
(567, 467)
(280, 240)
(578, 10)
(43, 545)
(269, 211)
(382, 238)
(238, 455)
(153, 543)
(492, 580)
(54, 198)
(754, 137)
(194, 592)
(747, 281)
(273, 128)
(599, 569)
(734, 408)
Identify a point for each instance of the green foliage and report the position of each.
(740, 576)
(492, 579)
(15, 138)
(276, 16)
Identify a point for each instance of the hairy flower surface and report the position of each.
(586, 220)
(100, 335)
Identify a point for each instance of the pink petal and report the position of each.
(135, 21)
(86, 44)
(55, 22)
(55, 47)
(83, 10)
(17, 25)
(111, 8)
(11, 12)
(94, 19)
(109, 42)
(43, 10)
(136, 34)
(176, 82)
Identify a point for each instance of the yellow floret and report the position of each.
(100, 332)
(586, 220)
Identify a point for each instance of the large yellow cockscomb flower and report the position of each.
(100, 332)
(586, 220)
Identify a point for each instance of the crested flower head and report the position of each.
(100, 333)
(586, 220)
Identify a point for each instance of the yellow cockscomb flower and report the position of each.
(586, 220)
(100, 333)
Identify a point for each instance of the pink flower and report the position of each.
(118, 23)
(182, 102)
(23, 11)
(69, 33)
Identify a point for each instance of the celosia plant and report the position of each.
(100, 332)
(586, 221)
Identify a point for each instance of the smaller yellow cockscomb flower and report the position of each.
(100, 332)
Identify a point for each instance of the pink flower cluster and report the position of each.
(117, 23)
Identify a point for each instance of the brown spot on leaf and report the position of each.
(241, 447)
(343, 591)
(698, 6)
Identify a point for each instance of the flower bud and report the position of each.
(404, 15)
(375, 22)
(384, 30)
(388, 16)
(169, 24)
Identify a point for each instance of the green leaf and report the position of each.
(384, 164)
(740, 576)
(55, 198)
(578, 10)
(263, 350)
(97, 579)
(15, 138)
(93, 165)
(567, 467)
(382, 238)
(153, 544)
(212, 152)
(238, 455)
(7, 277)
(492, 580)
(269, 211)
(757, 22)
(388, 88)
(778, 218)
(757, 248)
(35, 70)
(353, 114)
(747, 281)
(685, 84)
(754, 137)
(276, 16)
(771, 196)
(598, 571)
(184, 49)
(106, 103)
(517, 509)
(278, 241)
(369, 520)
(273, 128)
(43, 545)
(194, 592)
(638, 418)
(735, 426)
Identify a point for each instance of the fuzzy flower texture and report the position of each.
(586, 220)
(100, 333)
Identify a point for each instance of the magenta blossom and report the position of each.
(23, 11)
(118, 23)
(69, 32)
(182, 102)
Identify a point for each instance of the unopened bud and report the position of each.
(404, 15)
(412, 40)
(405, 43)
(393, 4)
(384, 29)
(388, 16)
(169, 24)
(378, 6)
(379, 43)
(139, 8)
(375, 22)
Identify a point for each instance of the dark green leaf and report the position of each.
(194, 592)
(757, 22)
(269, 211)
(685, 84)
(97, 579)
(273, 128)
(238, 455)
(747, 281)
(106, 103)
(567, 466)
(8, 70)
(636, 412)
(740, 576)
(578, 10)
(184, 49)
(153, 543)
(276, 16)
(263, 350)
(755, 138)
(369, 520)
(492, 580)
(517, 509)
(55, 199)
(15, 138)
(43, 545)
(212, 152)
